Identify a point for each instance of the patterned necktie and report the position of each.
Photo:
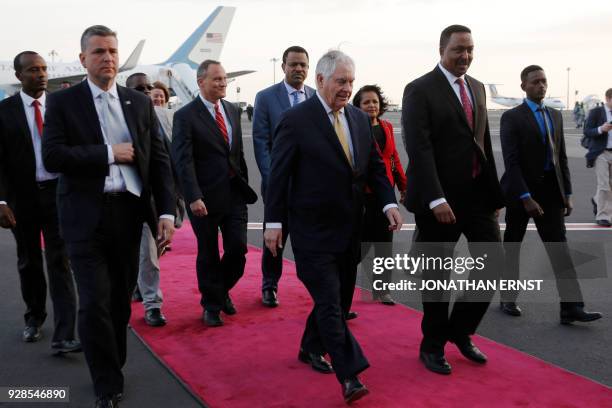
(550, 157)
(221, 122)
(296, 99)
(469, 115)
(465, 102)
(111, 124)
(38, 117)
(342, 136)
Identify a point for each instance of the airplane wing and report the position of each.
(54, 84)
(236, 74)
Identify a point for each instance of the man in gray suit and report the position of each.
(270, 103)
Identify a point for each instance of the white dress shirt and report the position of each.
(452, 80)
(347, 132)
(114, 182)
(290, 90)
(41, 172)
(211, 109)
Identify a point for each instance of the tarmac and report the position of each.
(581, 348)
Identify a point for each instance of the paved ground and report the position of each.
(582, 349)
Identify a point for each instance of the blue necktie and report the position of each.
(111, 124)
(296, 99)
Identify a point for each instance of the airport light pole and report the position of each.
(274, 60)
(567, 96)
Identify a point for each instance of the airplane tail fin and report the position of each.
(132, 60)
(493, 90)
(206, 42)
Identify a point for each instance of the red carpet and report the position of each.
(252, 360)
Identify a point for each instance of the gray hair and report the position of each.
(98, 30)
(327, 64)
(201, 73)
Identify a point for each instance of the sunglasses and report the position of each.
(142, 88)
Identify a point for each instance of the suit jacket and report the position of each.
(270, 103)
(17, 159)
(441, 145)
(597, 117)
(73, 145)
(312, 180)
(204, 160)
(525, 153)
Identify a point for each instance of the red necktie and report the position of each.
(221, 123)
(38, 117)
(469, 115)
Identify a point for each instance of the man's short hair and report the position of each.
(17, 61)
(98, 30)
(294, 48)
(201, 73)
(132, 77)
(329, 61)
(528, 70)
(609, 93)
(445, 35)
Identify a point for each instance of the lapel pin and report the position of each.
(128, 102)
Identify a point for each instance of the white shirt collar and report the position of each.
(449, 76)
(207, 103)
(28, 100)
(326, 106)
(291, 89)
(96, 91)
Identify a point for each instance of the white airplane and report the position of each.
(58, 72)
(178, 71)
(513, 101)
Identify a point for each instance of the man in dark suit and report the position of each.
(537, 185)
(27, 206)
(104, 140)
(322, 158)
(452, 187)
(209, 159)
(270, 103)
(598, 130)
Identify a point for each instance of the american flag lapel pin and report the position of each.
(128, 102)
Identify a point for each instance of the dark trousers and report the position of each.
(106, 269)
(375, 229)
(551, 228)
(272, 266)
(329, 277)
(42, 217)
(479, 225)
(216, 274)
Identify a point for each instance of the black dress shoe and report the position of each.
(66, 346)
(510, 308)
(268, 298)
(435, 362)
(603, 223)
(155, 318)
(316, 361)
(385, 299)
(351, 315)
(470, 351)
(228, 307)
(577, 314)
(353, 389)
(32, 334)
(594, 206)
(107, 401)
(212, 319)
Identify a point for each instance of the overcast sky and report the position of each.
(391, 41)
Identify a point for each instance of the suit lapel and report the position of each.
(322, 121)
(128, 113)
(446, 89)
(209, 121)
(89, 111)
(533, 123)
(22, 121)
(282, 96)
(352, 123)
